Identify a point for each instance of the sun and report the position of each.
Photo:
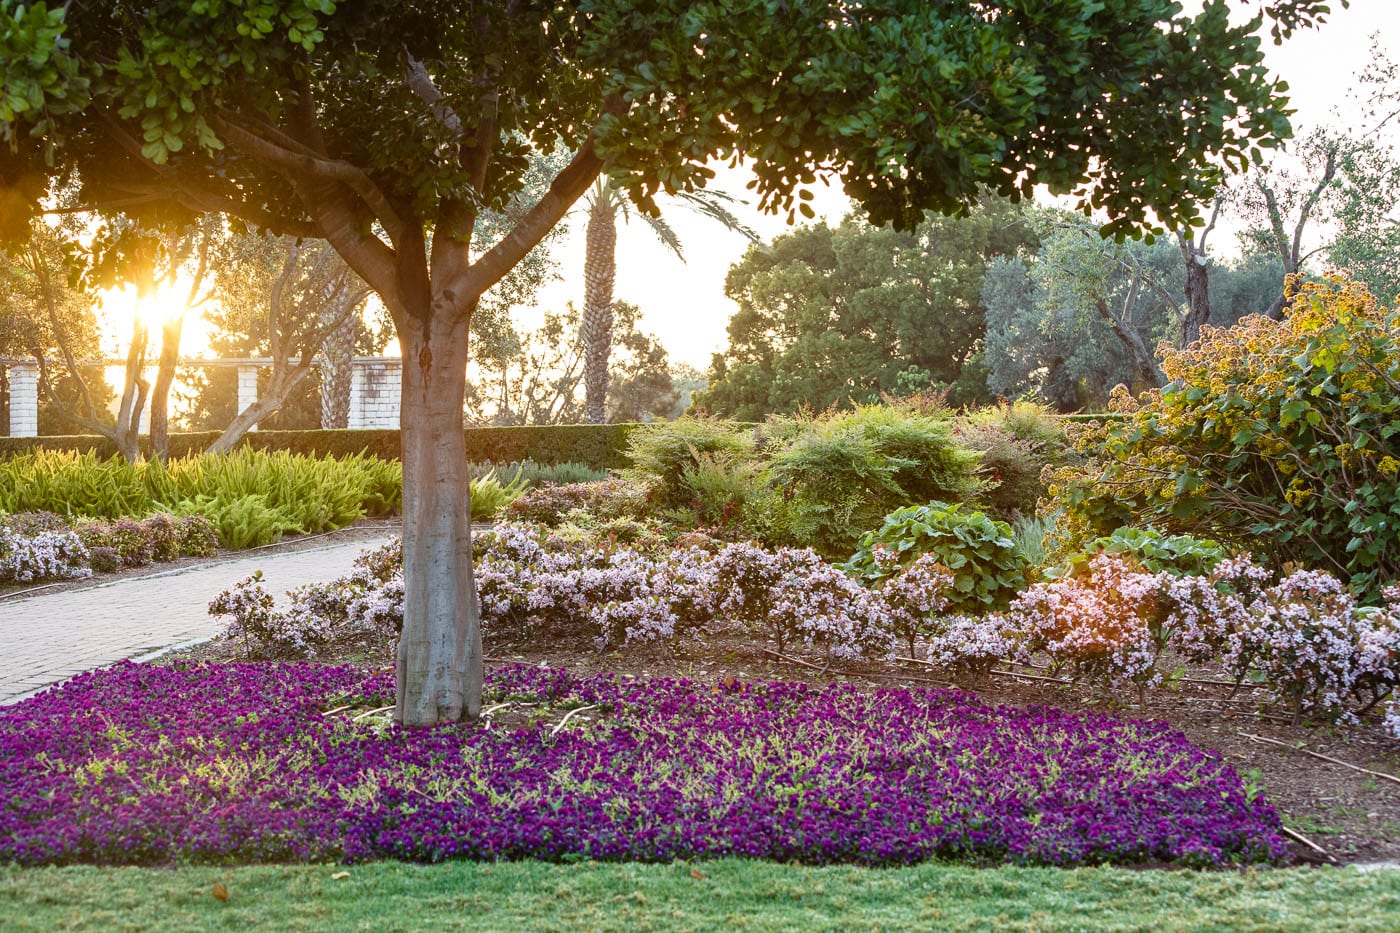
(118, 310)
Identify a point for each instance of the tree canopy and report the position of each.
(377, 123)
(838, 316)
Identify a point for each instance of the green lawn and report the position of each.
(528, 896)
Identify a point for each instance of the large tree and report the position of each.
(371, 124)
(839, 316)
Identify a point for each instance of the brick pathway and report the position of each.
(47, 638)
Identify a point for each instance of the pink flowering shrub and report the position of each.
(1097, 625)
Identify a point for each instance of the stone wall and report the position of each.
(374, 391)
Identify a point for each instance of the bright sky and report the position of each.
(685, 305)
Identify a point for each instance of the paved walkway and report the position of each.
(50, 637)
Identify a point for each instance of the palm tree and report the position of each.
(605, 202)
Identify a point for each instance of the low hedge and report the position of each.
(601, 446)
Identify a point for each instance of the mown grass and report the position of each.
(528, 896)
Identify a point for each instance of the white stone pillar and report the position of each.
(356, 417)
(385, 394)
(247, 388)
(24, 399)
(375, 392)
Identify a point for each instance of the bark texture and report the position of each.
(439, 666)
(337, 361)
(599, 274)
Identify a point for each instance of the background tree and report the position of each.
(836, 317)
(604, 203)
(1082, 315)
(315, 295)
(1334, 192)
(537, 381)
(121, 251)
(42, 308)
(371, 124)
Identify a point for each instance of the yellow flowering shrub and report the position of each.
(1280, 436)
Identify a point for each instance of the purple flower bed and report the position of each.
(152, 764)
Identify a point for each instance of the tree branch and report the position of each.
(294, 159)
(568, 186)
(1328, 172)
(1276, 225)
(172, 184)
(421, 84)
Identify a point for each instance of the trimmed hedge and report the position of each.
(1083, 416)
(601, 446)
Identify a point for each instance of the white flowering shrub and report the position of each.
(1111, 623)
(791, 595)
(911, 599)
(1315, 647)
(968, 647)
(45, 555)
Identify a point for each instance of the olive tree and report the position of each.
(386, 127)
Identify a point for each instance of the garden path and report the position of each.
(50, 636)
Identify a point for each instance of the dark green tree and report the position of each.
(371, 124)
(838, 317)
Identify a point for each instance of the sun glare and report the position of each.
(118, 310)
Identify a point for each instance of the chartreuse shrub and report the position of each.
(842, 474)
(987, 567)
(662, 455)
(251, 496)
(1015, 442)
(1281, 436)
(489, 495)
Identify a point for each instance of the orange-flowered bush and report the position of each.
(1280, 436)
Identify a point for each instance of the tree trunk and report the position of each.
(126, 431)
(1197, 300)
(439, 668)
(599, 272)
(160, 394)
(280, 386)
(337, 361)
(1149, 376)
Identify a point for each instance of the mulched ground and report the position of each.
(1351, 816)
